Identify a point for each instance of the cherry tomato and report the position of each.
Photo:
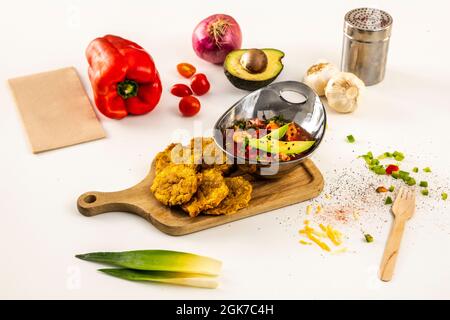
(272, 126)
(180, 90)
(200, 84)
(258, 123)
(187, 70)
(189, 106)
(293, 133)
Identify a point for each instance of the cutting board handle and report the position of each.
(93, 203)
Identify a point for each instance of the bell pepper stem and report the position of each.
(127, 89)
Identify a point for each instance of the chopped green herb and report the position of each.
(427, 169)
(395, 174)
(410, 181)
(380, 170)
(241, 124)
(367, 157)
(382, 156)
(385, 155)
(351, 139)
(425, 192)
(415, 169)
(398, 156)
(278, 120)
(388, 201)
(423, 184)
(404, 175)
(391, 189)
(368, 237)
(444, 196)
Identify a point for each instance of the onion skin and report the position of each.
(214, 37)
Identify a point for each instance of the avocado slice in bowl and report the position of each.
(275, 146)
(276, 134)
(252, 69)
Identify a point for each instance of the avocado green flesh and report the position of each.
(243, 79)
(277, 134)
(292, 147)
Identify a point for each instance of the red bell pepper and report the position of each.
(123, 77)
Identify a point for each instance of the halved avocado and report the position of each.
(242, 78)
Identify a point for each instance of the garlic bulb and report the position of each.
(318, 75)
(344, 91)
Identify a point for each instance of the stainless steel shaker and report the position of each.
(367, 33)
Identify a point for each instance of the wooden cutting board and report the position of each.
(303, 183)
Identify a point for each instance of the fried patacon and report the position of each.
(208, 154)
(175, 184)
(175, 153)
(162, 159)
(211, 191)
(240, 193)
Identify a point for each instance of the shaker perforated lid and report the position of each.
(368, 24)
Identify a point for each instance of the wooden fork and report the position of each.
(403, 209)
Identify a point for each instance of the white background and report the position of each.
(41, 230)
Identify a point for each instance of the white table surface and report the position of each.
(41, 229)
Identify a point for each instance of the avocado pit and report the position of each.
(254, 61)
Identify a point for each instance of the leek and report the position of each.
(157, 260)
(179, 278)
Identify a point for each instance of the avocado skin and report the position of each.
(251, 85)
(248, 84)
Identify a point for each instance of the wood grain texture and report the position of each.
(303, 183)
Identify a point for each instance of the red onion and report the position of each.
(215, 36)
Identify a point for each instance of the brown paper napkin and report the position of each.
(55, 110)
